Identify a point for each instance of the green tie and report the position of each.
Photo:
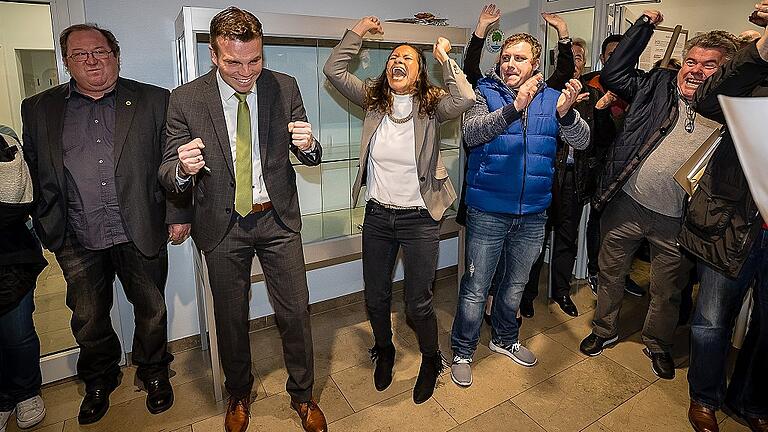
(243, 164)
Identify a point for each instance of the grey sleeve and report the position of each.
(576, 134)
(481, 126)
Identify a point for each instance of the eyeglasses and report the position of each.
(81, 56)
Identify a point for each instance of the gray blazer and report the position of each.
(436, 188)
(195, 111)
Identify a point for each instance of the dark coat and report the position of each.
(722, 221)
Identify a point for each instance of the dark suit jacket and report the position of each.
(139, 140)
(195, 111)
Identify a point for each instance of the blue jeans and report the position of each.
(520, 238)
(20, 377)
(720, 299)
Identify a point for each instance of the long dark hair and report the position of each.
(378, 94)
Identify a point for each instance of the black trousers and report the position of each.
(281, 256)
(385, 231)
(565, 245)
(90, 276)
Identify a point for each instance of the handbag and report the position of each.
(15, 181)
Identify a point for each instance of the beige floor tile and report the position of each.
(661, 406)
(731, 425)
(194, 402)
(265, 343)
(505, 417)
(56, 341)
(57, 319)
(496, 378)
(274, 414)
(51, 285)
(398, 414)
(629, 353)
(597, 427)
(187, 428)
(356, 383)
(580, 395)
(339, 321)
(50, 302)
(13, 427)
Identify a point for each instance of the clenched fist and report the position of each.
(441, 49)
(191, 157)
(301, 135)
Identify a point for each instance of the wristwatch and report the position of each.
(565, 40)
(645, 19)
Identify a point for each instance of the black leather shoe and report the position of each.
(566, 304)
(661, 363)
(95, 404)
(384, 358)
(159, 395)
(430, 369)
(526, 308)
(632, 288)
(593, 344)
(593, 284)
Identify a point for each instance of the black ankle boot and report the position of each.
(430, 369)
(384, 358)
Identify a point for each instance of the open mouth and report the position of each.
(693, 83)
(399, 72)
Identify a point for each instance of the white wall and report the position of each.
(22, 26)
(145, 30)
(698, 15)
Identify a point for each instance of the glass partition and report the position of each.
(325, 190)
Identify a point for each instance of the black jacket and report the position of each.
(653, 109)
(19, 251)
(722, 221)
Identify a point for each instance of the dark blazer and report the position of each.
(139, 140)
(195, 111)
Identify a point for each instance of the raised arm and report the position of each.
(620, 74)
(488, 16)
(336, 68)
(460, 95)
(564, 63)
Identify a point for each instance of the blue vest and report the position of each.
(513, 173)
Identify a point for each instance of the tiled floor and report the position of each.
(51, 314)
(565, 391)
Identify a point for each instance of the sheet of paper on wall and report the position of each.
(746, 122)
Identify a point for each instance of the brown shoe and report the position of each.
(757, 424)
(238, 414)
(702, 418)
(312, 418)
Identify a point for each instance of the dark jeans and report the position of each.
(488, 234)
(90, 276)
(565, 247)
(625, 224)
(385, 231)
(593, 241)
(229, 269)
(719, 302)
(20, 377)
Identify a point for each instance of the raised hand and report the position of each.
(655, 16)
(606, 101)
(761, 14)
(191, 157)
(527, 91)
(488, 16)
(440, 49)
(557, 22)
(301, 135)
(568, 97)
(368, 24)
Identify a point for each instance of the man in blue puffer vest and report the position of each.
(512, 133)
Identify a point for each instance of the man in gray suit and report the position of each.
(246, 205)
(93, 147)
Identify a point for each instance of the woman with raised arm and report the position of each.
(408, 189)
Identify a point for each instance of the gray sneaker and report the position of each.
(30, 412)
(520, 354)
(461, 371)
(4, 417)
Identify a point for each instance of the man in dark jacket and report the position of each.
(725, 231)
(641, 198)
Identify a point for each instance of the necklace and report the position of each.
(396, 120)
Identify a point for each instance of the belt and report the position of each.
(260, 207)
(395, 207)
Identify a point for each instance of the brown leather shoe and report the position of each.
(757, 424)
(702, 418)
(238, 414)
(312, 418)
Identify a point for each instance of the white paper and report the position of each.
(746, 118)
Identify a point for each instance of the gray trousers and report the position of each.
(229, 269)
(624, 225)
